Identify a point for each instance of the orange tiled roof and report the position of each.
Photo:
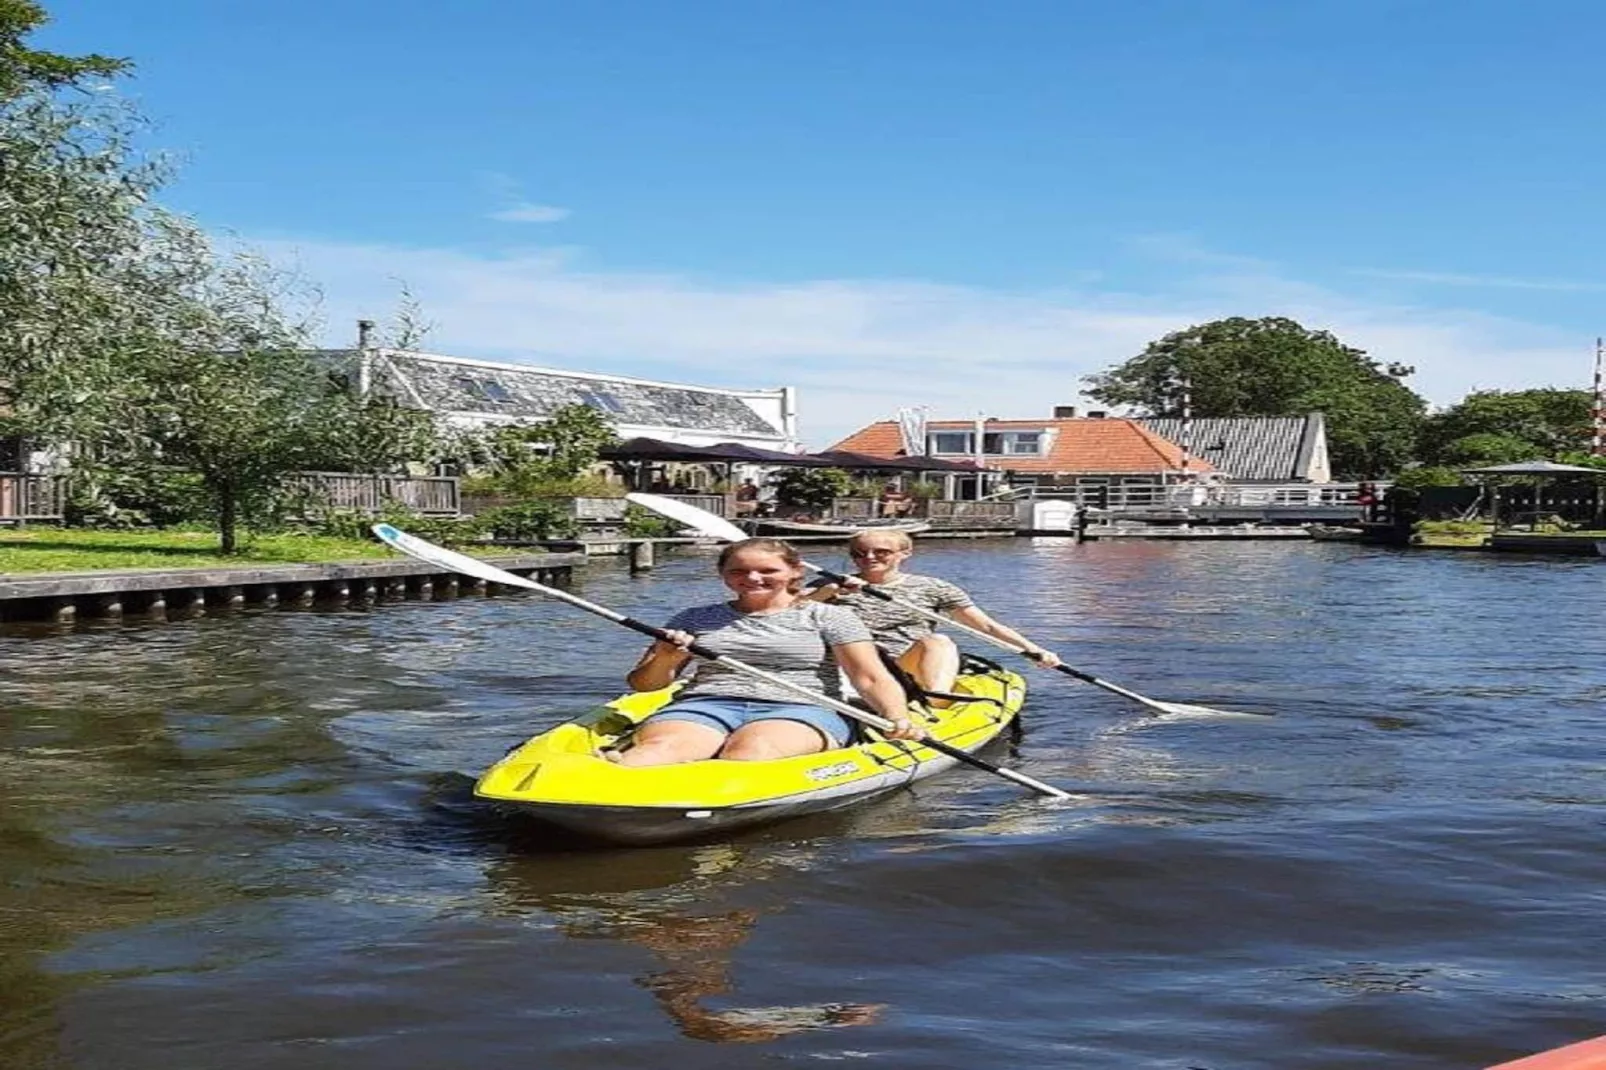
(1081, 446)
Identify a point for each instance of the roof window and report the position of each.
(601, 400)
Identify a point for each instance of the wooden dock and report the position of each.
(189, 592)
(1193, 531)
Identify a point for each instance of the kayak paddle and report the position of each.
(719, 528)
(453, 561)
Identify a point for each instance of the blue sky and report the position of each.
(961, 205)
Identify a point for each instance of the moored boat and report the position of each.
(846, 529)
(559, 777)
(1334, 532)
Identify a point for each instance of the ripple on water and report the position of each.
(252, 841)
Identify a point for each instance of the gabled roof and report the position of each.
(1081, 446)
(525, 392)
(1532, 468)
(1268, 448)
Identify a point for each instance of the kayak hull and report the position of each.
(559, 778)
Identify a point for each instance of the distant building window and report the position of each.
(952, 442)
(1023, 442)
(1013, 443)
(482, 389)
(602, 401)
(471, 387)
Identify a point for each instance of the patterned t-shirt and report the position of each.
(794, 643)
(894, 628)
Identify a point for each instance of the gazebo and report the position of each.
(1540, 474)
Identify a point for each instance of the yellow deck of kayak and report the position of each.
(560, 776)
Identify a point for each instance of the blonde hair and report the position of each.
(900, 539)
(779, 547)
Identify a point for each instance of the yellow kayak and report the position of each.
(559, 777)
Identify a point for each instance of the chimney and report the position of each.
(1097, 414)
(1064, 412)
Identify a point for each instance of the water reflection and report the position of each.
(666, 900)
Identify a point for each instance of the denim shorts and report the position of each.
(728, 714)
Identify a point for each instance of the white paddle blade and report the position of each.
(450, 560)
(715, 527)
(1184, 709)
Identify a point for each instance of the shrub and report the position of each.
(811, 488)
(645, 524)
(529, 521)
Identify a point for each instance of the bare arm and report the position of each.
(973, 616)
(862, 665)
(660, 663)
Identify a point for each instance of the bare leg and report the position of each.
(763, 740)
(933, 661)
(672, 742)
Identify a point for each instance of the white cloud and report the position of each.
(858, 349)
(1501, 282)
(529, 212)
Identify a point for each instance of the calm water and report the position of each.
(249, 843)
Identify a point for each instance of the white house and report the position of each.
(470, 393)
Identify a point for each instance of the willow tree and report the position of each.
(127, 341)
(75, 221)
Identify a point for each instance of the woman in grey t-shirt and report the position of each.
(931, 659)
(769, 625)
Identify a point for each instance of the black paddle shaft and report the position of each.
(886, 596)
(933, 744)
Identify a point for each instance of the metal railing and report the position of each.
(25, 498)
(354, 493)
(1135, 496)
(946, 510)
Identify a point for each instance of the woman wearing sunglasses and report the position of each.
(909, 639)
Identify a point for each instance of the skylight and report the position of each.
(601, 400)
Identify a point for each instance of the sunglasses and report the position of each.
(874, 553)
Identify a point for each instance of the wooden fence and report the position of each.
(345, 492)
(25, 498)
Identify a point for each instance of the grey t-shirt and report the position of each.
(894, 628)
(794, 643)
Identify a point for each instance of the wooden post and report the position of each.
(481, 587)
(190, 602)
(61, 610)
(303, 594)
(367, 592)
(228, 597)
(422, 587)
(152, 604)
(264, 594)
(337, 591)
(447, 587)
(641, 555)
(107, 605)
(395, 588)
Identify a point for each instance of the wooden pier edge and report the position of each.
(65, 597)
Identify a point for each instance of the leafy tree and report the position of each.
(125, 340)
(1496, 426)
(811, 488)
(1275, 367)
(527, 459)
(24, 69)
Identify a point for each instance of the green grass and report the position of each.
(41, 549)
(1450, 532)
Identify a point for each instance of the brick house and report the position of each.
(1062, 451)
